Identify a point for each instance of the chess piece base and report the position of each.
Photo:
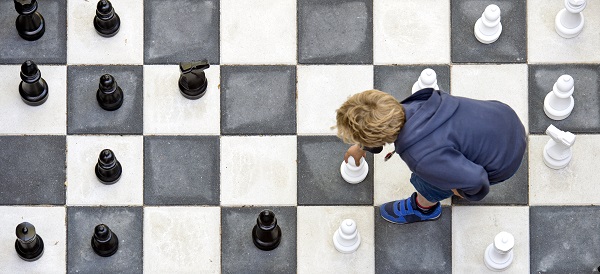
(31, 35)
(34, 100)
(486, 39)
(553, 163)
(345, 249)
(112, 105)
(101, 29)
(266, 246)
(566, 32)
(106, 253)
(109, 179)
(354, 179)
(496, 266)
(557, 114)
(193, 94)
(30, 256)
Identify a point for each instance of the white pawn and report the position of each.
(559, 102)
(346, 238)
(354, 174)
(557, 152)
(569, 21)
(488, 27)
(499, 255)
(427, 79)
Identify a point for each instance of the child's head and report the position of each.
(371, 118)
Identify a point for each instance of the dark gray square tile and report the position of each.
(125, 222)
(181, 170)
(585, 117)
(511, 46)
(564, 239)
(181, 30)
(239, 255)
(399, 80)
(51, 48)
(85, 116)
(335, 31)
(514, 191)
(319, 178)
(424, 247)
(258, 100)
(33, 170)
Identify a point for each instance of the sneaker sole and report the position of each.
(412, 222)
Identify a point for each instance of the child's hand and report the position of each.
(356, 152)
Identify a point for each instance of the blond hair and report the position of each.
(371, 118)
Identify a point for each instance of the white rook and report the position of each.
(557, 152)
(569, 21)
(354, 174)
(346, 238)
(559, 102)
(499, 255)
(427, 79)
(488, 27)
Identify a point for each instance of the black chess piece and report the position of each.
(30, 23)
(266, 234)
(109, 94)
(108, 168)
(192, 82)
(104, 242)
(106, 21)
(29, 245)
(33, 88)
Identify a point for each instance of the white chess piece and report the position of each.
(346, 238)
(499, 255)
(569, 21)
(354, 174)
(488, 26)
(557, 152)
(427, 79)
(559, 102)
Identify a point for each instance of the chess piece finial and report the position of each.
(104, 241)
(499, 255)
(346, 238)
(266, 234)
(488, 27)
(29, 245)
(559, 102)
(106, 21)
(30, 23)
(109, 95)
(193, 82)
(427, 79)
(354, 174)
(108, 169)
(569, 21)
(557, 152)
(33, 88)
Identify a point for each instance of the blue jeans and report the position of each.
(428, 191)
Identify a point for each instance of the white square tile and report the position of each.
(402, 35)
(504, 83)
(322, 90)
(188, 239)
(258, 32)
(86, 46)
(47, 118)
(546, 46)
(575, 184)
(316, 252)
(258, 170)
(166, 111)
(392, 178)
(474, 228)
(50, 225)
(84, 188)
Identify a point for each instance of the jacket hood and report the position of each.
(436, 109)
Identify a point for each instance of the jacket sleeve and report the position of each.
(447, 168)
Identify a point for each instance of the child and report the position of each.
(452, 145)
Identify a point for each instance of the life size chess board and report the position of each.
(196, 173)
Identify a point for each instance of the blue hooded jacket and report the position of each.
(460, 143)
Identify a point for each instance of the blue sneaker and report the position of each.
(406, 211)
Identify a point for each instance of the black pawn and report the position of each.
(29, 245)
(109, 94)
(107, 21)
(192, 82)
(266, 234)
(108, 168)
(30, 23)
(104, 242)
(33, 88)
